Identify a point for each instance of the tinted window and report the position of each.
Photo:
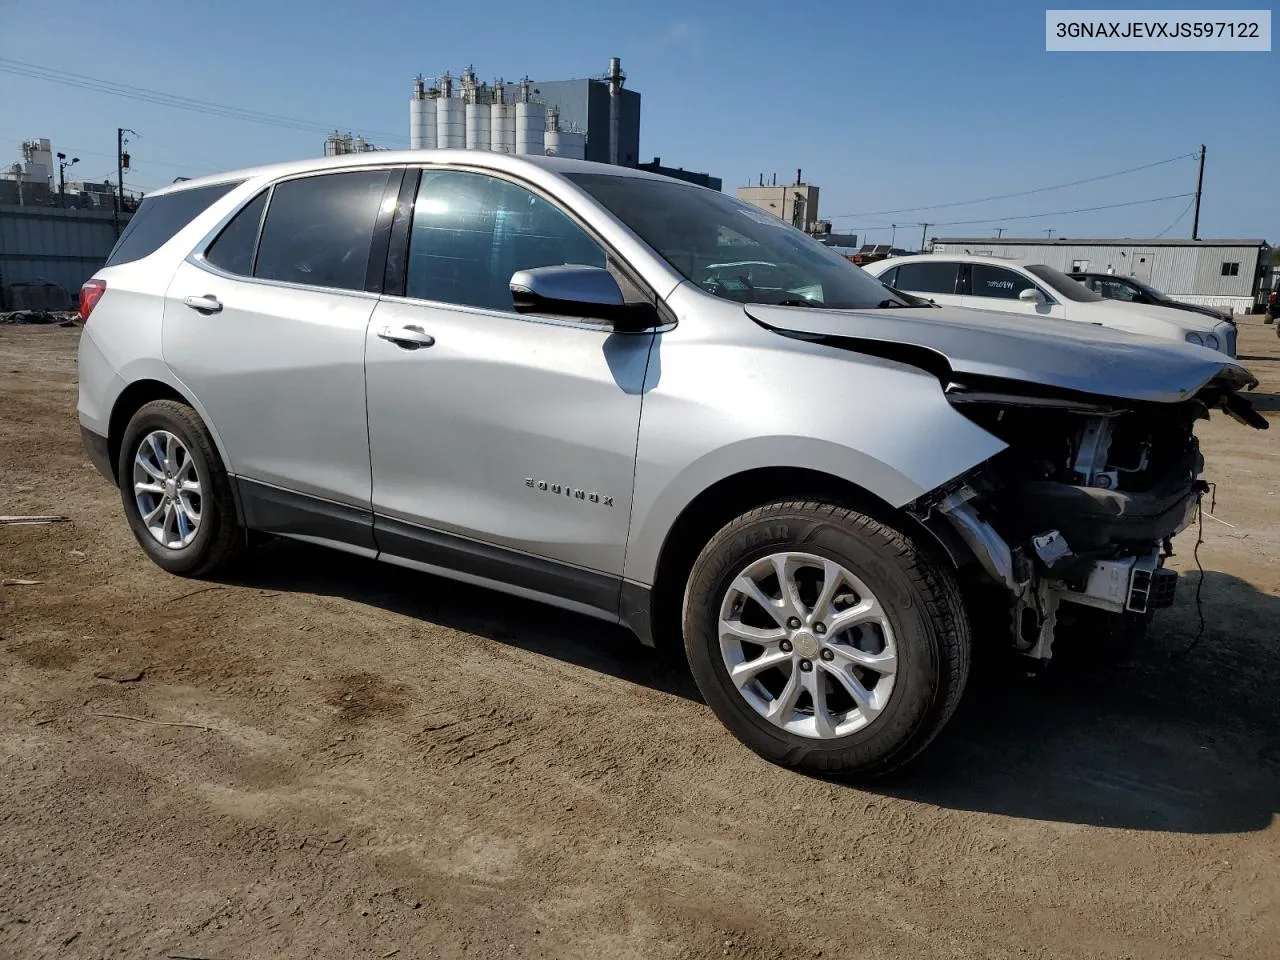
(319, 230)
(233, 249)
(159, 218)
(1061, 284)
(471, 232)
(997, 282)
(890, 277)
(927, 277)
(1115, 290)
(711, 239)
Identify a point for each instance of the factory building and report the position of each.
(1224, 274)
(339, 144)
(796, 203)
(589, 119)
(680, 173)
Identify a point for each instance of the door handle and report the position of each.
(410, 337)
(206, 304)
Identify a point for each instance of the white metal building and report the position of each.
(1232, 274)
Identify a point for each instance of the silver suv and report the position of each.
(551, 378)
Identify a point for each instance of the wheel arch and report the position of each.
(733, 495)
(142, 391)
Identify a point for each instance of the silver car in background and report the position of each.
(647, 402)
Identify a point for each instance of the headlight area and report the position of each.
(1080, 509)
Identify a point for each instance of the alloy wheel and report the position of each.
(808, 645)
(166, 488)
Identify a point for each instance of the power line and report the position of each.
(1178, 219)
(1020, 193)
(159, 98)
(1063, 213)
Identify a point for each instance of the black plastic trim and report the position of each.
(395, 274)
(635, 610)
(588, 588)
(98, 450)
(377, 267)
(274, 510)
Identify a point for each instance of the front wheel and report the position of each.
(825, 640)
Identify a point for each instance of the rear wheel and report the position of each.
(175, 491)
(825, 640)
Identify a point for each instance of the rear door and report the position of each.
(936, 280)
(266, 327)
(993, 287)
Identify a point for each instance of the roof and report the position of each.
(512, 163)
(1104, 242)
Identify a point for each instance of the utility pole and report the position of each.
(893, 237)
(1049, 233)
(1195, 223)
(999, 232)
(122, 161)
(924, 228)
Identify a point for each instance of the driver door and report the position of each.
(503, 445)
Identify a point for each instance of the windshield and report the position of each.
(734, 250)
(1150, 291)
(1060, 283)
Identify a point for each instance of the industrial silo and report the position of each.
(422, 116)
(571, 144)
(531, 122)
(502, 115)
(451, 124)
(478, 116)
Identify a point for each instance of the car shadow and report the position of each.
(1181, 740)
(289, 566)
(1175, 741)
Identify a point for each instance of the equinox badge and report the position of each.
(572, 492)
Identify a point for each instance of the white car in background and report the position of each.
(1036, 290)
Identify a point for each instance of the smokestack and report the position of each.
(775, 180)
(798, 180)
(615, 76)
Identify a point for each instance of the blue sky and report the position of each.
(884, 106)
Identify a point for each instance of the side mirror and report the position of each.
(575, 290)
(1031, 295)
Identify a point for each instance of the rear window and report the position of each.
(928, 276)
(234, 248)
(319, 229)
(159, 218)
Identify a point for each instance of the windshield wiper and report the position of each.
(886, 304)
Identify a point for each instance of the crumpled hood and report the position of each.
(1053, 353)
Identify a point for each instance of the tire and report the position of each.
(921, 604)
(218, 537)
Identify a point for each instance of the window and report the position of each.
(927, 276)
(233, 249)
(708, 237)
(986, 280)
(1079, 266)
(1062, 285)
(1231, 269)
(159, 218)
(1115, 290)
(889, 277)
(471, 232)
(319, 229)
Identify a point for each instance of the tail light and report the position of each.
(1272, 298)
(90, 294)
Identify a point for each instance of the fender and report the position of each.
(717, 406)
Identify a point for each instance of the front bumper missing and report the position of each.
(1137, 583)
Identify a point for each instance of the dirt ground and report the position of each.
(367, 762)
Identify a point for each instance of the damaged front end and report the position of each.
(1082, 506)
